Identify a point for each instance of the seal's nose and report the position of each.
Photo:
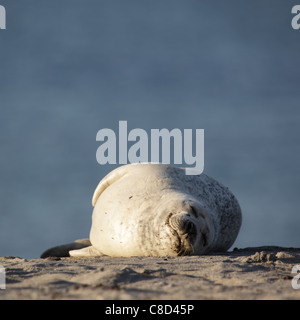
(185, 231)
(182, 224)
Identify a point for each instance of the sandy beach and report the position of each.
(250, 273)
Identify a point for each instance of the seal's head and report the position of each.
(192, 228)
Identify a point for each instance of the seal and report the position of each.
(148, 209)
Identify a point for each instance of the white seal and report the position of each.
(157, 210)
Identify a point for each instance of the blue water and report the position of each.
(69, 68)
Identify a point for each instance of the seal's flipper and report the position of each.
(63, 250)
(86, 252)
(108, 180)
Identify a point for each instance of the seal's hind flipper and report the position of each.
(63, 250)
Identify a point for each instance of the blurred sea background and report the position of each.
(69, 68)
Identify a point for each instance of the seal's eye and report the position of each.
(204, 239)
(190, 228)
(194, 212)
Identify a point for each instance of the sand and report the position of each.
(250, 273)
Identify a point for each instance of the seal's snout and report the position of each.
(182, 224)
(186, 233)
